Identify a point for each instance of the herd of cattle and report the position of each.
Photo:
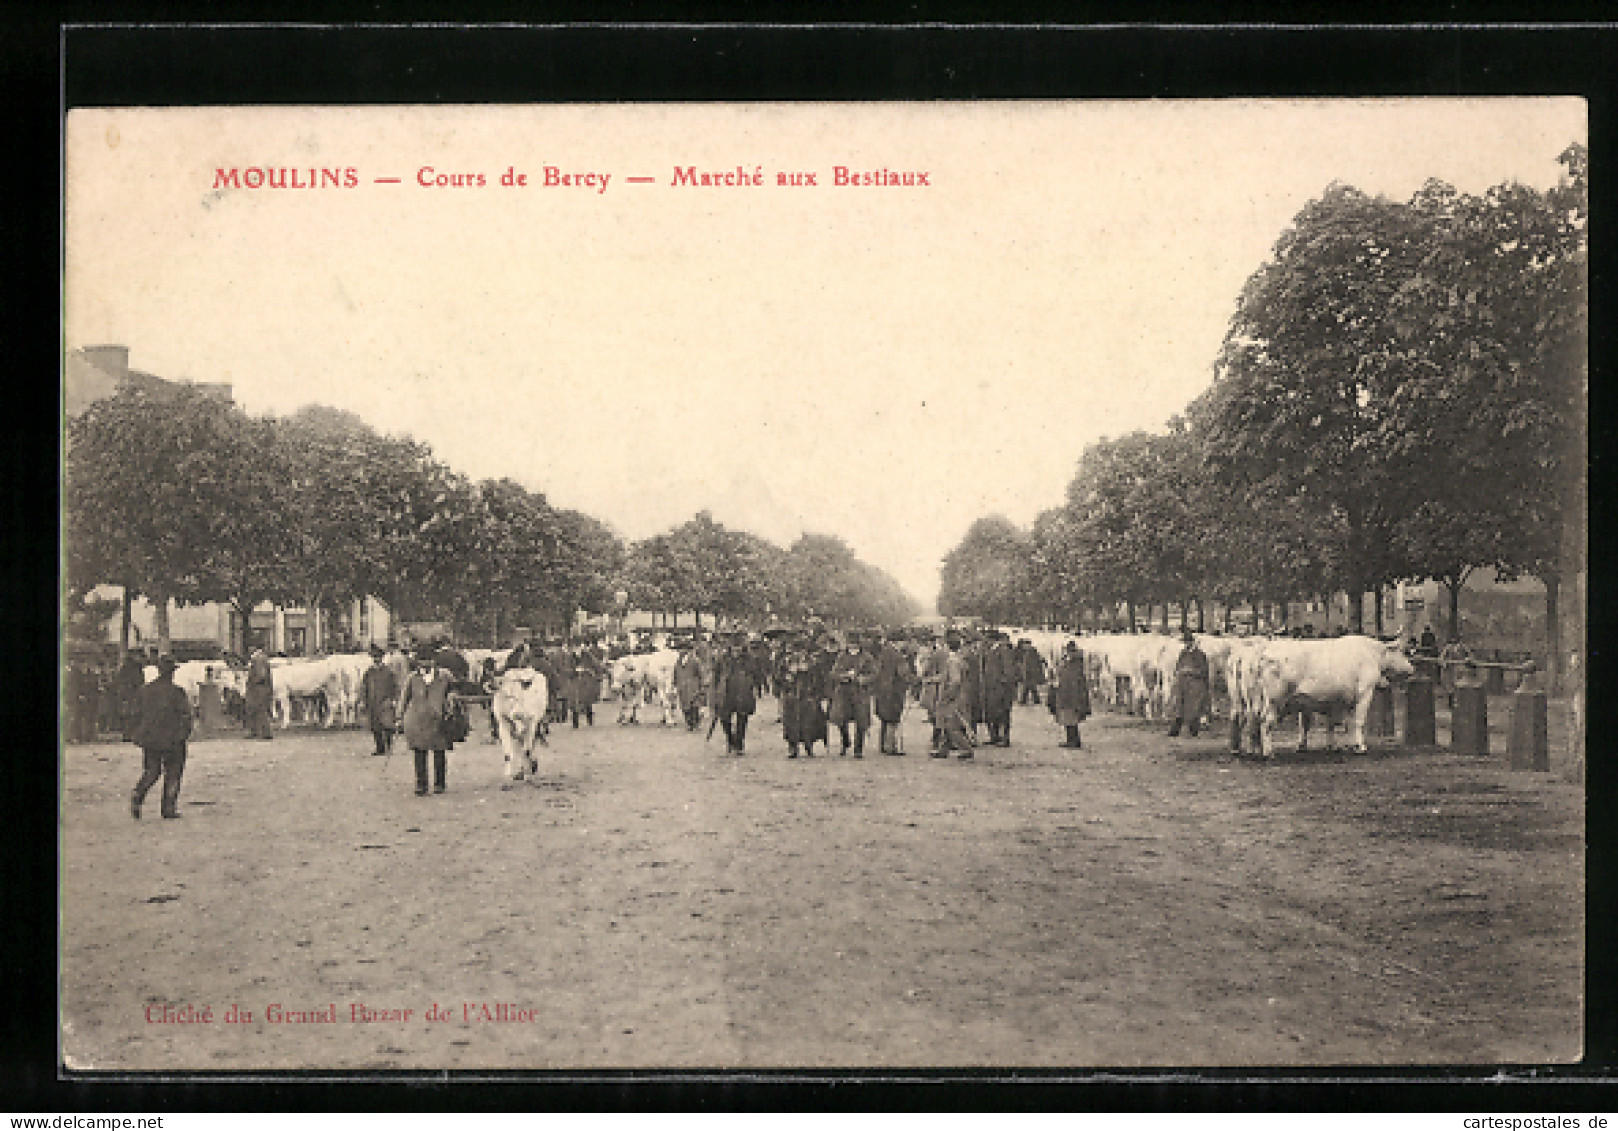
(1261, 680)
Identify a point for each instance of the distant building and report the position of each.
(96, 372)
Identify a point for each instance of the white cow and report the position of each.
(308, 679)
(647, 677)
(348, 674)
(1321, 676)
(521, 700)
(1241, 685)
(1137, 656)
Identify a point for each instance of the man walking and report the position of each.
(260, 691)
(889, 687)
(688, 684)
(953, 693)
(999, 687)
(422, 708)
(802, 721)
(852, 675)
(1188, 701)
(1031, 666)
(733, 679)
(379, 692)
(1070, 698)
(162, 726)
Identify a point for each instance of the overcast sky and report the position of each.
(881, 363)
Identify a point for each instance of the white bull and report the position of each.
(1320, 676)
(521, 701)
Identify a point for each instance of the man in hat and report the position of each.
(688, 683)
(931, 671)
(585, 686)
(734, 698)
(852, 674)
(162, 727)
(379, 692)
(892, 680)
(260, 692)
(422, 707)
(1188, 701)
(1031, 669)
(999, 686)
(972, 681)
(802, 721)
(952, 702)
(1069, 699)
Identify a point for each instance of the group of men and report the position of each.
(828, 682)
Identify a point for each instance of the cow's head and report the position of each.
(1396, 663)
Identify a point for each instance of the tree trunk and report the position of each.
(1553, 633)
(1129, 611)
(1454, 587)
(1201, 615)
(160, 602)
(128, 611)
(1227, 618)
(1379, 611)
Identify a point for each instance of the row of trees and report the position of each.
(187, 498)
(1400, 396)
(702, 567)
(180, 497)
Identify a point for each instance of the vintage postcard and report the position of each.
(871, 586)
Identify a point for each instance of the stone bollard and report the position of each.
(1530, 744)
(1469, 719)
(1380, 721)
(1421, 726)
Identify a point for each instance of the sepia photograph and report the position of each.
(850, 585)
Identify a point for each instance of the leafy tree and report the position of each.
(986, 574)
(152, 481)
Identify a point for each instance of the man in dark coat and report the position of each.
(1188, 701)
(1069, 699)
(422, 707)
(161, 729)
(734, 698)
(972, 682)
(1032, 671)
(688, 684)
(379, 693)
(802, 720)
(852, 674)
(952, 703)
(260, 691)
(584, 687)
(999, 687)
(893, 677)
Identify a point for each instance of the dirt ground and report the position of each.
(651, 902)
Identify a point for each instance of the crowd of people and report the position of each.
(828, 683)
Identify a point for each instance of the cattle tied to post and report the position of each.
(1277, 678)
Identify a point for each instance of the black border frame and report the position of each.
(107, 55)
